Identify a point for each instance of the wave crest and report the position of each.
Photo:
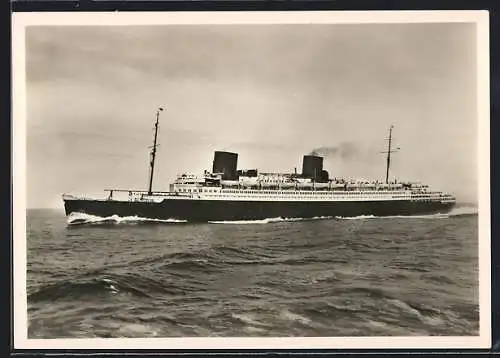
(97, 287)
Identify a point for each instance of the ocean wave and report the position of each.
(190, 266)
(427, 315)
(248, 319)
(67, 289)
(291, 316)
(82, 218)
(330, 310)
(96, 287)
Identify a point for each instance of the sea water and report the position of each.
(364, 276)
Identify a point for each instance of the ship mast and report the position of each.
(389, 151)
(153, 152)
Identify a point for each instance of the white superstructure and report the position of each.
(283, 187)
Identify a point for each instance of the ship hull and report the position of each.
(219, 210)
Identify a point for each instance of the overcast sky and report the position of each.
(269, 92)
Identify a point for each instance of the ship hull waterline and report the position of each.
(237, 210)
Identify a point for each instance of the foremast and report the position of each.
(153, 152)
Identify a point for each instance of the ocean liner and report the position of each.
(229, 194)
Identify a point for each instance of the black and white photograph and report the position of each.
(251, 180)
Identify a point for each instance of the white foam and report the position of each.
(82, 218)
(406, 308)
(107, 280)
(268, 220)
(464, 210)
(243, 222)
(294, 317)
(248, 319)
(365, 217)
(356, 217)
(136, 329)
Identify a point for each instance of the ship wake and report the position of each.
(269, 220)
(458, 211)
(82, 218)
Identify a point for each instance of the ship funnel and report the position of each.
(225, 163)
(312, 167)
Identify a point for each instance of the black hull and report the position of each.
(214, 210)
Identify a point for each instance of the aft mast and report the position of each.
(389, 151)
(153, 152)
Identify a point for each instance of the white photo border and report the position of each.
(19, 23)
